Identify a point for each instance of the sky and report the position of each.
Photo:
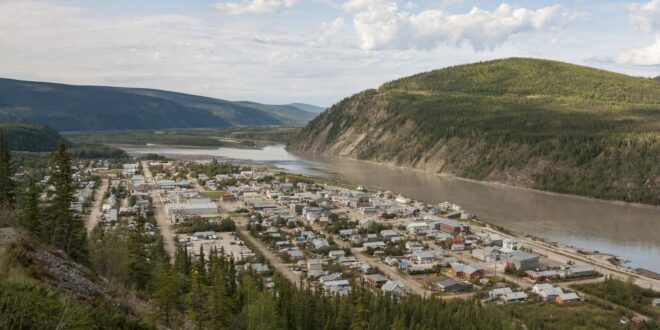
(312, 51)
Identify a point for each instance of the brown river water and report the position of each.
(628, 231)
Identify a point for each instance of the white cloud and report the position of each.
(254, 7)
(330, 32)
(645, 17)
(646, 56)
(380, 25)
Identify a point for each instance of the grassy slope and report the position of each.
(542, 124)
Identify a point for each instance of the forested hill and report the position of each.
(30, 137)
(534, 123)
(80, 108)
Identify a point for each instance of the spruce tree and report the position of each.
(29, 213)
(66, 230)
(6, 172)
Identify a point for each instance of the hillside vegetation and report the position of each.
(534, 123)
(30, 137)
(83, 108)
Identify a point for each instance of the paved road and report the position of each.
(164, 224)
(95, 212)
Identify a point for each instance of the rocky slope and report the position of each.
(525, 122)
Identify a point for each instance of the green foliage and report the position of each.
(34, 307)
(30, 137)
(64, 229)
(624, 294)
(29, 214)
(557, 126)
(6, 173)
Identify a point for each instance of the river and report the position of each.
(628, 231)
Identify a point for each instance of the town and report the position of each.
(331, 237)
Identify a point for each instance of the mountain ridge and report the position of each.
(533, 123)
(78, 108)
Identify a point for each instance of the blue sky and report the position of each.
(314, 51)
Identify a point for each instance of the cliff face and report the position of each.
(532, 123)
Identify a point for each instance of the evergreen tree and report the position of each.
(167, 294)
(6, 172)
(65, 230)
(29, 213)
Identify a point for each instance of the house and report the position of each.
(471, 271)
(581, 271)
(314, 264)
(375, 280)
(547, 291)
(495, 294)
(388, 234)
(486, 254)
(511, 244)
(330, 277)
(513, 297)
(320, 243)
(424, 257)
(295, 255)
(346, 233)
(336, 254)
(414, 246)
(257, 268)
(567, 298)
(451, 286)
(329, 285)
(371, 238)
(416, 227)
(394, 287)
(374, 245)
(542, 275)
(521, 260)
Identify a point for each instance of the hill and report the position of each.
(30, 137)
(308, 107)
(58, 292)
(533, 123)
(81, 108)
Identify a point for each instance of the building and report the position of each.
(394, 287)
(511, 244)
(471, 271)
(424, 257)
(314, 264)
(547, 291)
(417, 227)
(335, 255)
(521, 260)
(486, 254)
(513, 297)
(205, 235)
(581, 271)
(567, 298)
(495, 294)
(451, 286)
(375, 280)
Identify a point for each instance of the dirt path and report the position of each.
(95, 212)
(274, 260)
(163, 223)
(409, 282)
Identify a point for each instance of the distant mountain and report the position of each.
(308, 107)
(533, 123)
(30, 137)
(80, 108)
(657, 78)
